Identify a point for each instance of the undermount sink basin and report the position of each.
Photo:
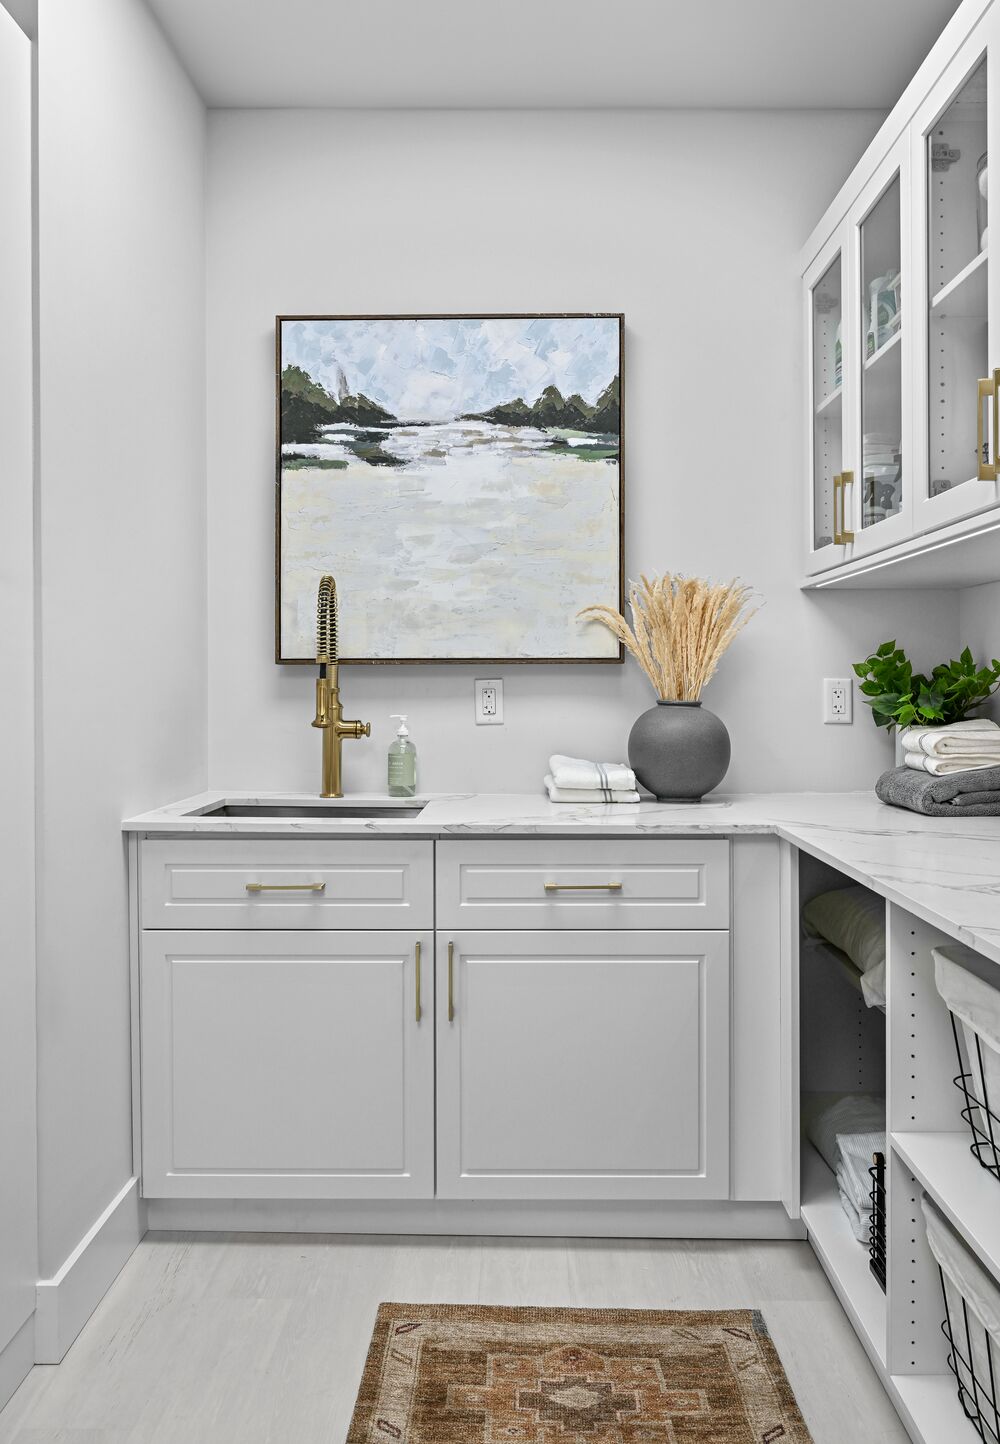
(368, 811)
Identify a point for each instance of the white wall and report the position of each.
(979, 628)
(690, 224)
(121, 515)
(18, 1233)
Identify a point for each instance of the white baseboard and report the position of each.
(504, 1219)
(16, 1359)
(65, 1302)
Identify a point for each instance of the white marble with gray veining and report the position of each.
(944, 870)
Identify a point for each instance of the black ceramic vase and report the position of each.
(679, 751)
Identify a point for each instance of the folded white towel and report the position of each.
(856, 1154)
(976, 737)
(575, 772)
(945, 766)
(586, 794)
(860, 1222)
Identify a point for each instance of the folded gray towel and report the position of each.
(973, 794)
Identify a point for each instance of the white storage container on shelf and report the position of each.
(972, 1322)
(974, 1005)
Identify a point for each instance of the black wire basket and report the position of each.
(977, 1385)
(983, 1123)
(876, 1229)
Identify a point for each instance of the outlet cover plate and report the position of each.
(489, 701)
(838, 701)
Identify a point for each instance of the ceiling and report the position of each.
(566, 53)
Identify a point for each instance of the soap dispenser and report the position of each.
(402, 761)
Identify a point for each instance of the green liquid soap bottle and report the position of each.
(402, 762)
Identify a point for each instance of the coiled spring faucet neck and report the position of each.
(327, 641)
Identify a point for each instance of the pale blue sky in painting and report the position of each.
(435, 370)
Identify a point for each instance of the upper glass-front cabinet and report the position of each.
(903, 325)
(958, 386)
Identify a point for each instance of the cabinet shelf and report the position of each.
(963, 1190)
(842, 1256)
(931, 1403)
(832, 404)
(879, 356)
(964, 297)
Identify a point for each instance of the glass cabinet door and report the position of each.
(880, 486)
(827, 391)
(951, 145)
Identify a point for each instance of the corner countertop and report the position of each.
(944, 870)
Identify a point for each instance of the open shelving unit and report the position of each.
(928, 1151)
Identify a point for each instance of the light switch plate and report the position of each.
(489, 701)
(837, 701)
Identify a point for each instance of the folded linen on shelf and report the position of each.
(857, 1152)
(827, 1115)
(586, 794)
(944, 766)
(860, 1222)
(973, 793)
(973, 737)
(577, 773)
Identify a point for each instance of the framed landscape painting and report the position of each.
(459, 476)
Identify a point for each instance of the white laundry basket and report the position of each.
(972, 1322)
(975, 1020)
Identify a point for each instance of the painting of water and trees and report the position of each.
(460, 477)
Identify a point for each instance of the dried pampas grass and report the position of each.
(680, 628)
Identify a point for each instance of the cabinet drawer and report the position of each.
(641, 883)
(259, 883)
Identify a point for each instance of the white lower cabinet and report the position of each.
(287, 1064)
(583, 1065)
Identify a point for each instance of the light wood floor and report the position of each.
(260, 1339)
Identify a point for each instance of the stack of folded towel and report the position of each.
(571, 779)
(847, 1130)
(947, 770)
(959, 747)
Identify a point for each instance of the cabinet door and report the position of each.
(830, 326)
(287, 1065)
(583, 1065)
(878, 490)
(952, 136)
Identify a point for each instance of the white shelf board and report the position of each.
(842, 1256)
(832, 404)
(884, 350)
(965, 294)
(963, 1190)
(930, 1403)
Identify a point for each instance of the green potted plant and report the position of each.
(901, 698)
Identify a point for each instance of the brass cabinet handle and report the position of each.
(583, 887)
(845, 536)
(286, 887)
(416, 958)
(988, 388)
(838, 482)
(451, 982)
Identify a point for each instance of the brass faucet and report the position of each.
(329, 714)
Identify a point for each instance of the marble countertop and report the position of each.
(945, 870)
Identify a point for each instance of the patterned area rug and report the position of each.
(456, 1374)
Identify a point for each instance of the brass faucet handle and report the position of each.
(365, 729)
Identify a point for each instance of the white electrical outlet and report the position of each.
(489, 702)
(837, 700)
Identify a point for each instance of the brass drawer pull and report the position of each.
(841, 536)
(986, 460)
(286, 887)
(583, 887)
(451, 982)
(416, 957)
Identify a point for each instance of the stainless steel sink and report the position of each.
(369, 811)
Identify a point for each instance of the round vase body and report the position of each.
(679, 751)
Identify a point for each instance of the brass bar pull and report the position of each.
(986, 464)
(416, 958)
(583, 887)
(286, 887)
(838, 482)
(451, 982)
(846, 480)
